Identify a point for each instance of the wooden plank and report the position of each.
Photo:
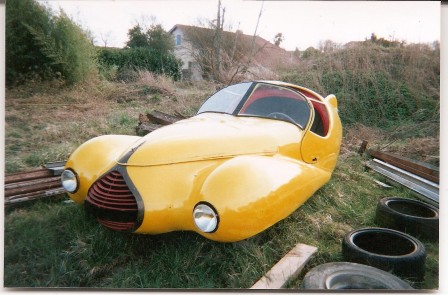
(25, 176)
(32, 182)
(145, 128)
(162, 118)
(154, 120)
(418, 168)
(288, 267)
(179, 115)
(33, 196)
(24, 188)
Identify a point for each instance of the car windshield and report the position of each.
(226, 100)
(265, 101)
(276, 102)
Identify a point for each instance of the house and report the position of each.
(183, 50)
(266, 57)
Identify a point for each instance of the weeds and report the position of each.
(49, 125)
(70, 250)
(376, 85)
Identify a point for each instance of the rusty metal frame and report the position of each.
(421, 187)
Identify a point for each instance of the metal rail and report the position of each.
(36, 184)
(421, 169)
(422, 187)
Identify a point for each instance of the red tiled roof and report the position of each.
(270, 55)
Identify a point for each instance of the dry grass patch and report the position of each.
(407, 141)
(46, 121)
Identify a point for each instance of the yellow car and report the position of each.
(252, 155)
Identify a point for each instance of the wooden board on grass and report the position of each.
(288, 267)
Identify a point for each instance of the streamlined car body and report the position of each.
(252, 155)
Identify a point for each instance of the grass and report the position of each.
(70, 250)
(52, 243)
(48, 125)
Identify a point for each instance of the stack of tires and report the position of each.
(380, 257)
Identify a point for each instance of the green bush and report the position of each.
(41, 43)
(134, 59)
(23, 57)
(375, 84)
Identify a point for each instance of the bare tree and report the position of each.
(223, 56)
(145, 22)
(328, 46)
(105, 37)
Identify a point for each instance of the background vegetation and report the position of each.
(124, 64)
(388, 94)
(42, 44)
(45, 45)
(145, 51)
(380, 83)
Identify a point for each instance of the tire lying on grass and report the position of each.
(386, 249)
(410, 216)
(346, 275)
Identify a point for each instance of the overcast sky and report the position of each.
(302, 23)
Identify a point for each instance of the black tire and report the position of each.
(386, 249)
(346, 275)
(410, 216)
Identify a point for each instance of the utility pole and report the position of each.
(218, 35)
(252, 51)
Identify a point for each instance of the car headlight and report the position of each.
(69, 180)
(205, 217)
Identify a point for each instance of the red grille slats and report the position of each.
(104, 189)
(114, 183)
(116, 174)
(103, 194)
(115, 203)
(98, 195)
(108, 205)
(116, 225)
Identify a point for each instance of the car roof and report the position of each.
(301, 89)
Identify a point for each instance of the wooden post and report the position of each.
(363, 147)
(288, 267)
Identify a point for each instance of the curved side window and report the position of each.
(321, 122)
(276, 102)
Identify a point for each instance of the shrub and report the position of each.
(135, 59)
(23, 57)
(69, 48)
(375, 84)
(40, 43)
